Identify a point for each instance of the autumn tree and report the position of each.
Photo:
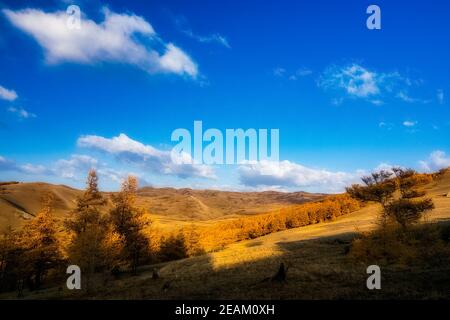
(192, 241)
(397, 193)
(174, 247)
(10, 254)
(378, 187)
(39, 244)
(93, 243)
(27, 255)
(129, 222)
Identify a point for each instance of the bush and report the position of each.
(406, 211)
(418, 245)
(173, 247)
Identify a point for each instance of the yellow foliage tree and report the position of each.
(130, 223)
(39, 243)
(93, 246)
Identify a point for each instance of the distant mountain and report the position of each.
(21, 201)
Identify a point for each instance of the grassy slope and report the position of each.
(19, 202)
(315, 254)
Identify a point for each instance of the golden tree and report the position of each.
(39, 242)
(130, 222)
(10, 262)
(397, 193)
(92, 243)
(192, 241)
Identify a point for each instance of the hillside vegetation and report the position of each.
(318, 260)
(321, 257)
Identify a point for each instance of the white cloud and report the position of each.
(7, 94)
(132, 151)
(289, 174)
(21, 113)
(357, 81)
(175, 60)
(63, 168)
(354, 79)
(409, 123)
(112, 40)
(387, 167)
(71, 168)
(33, 169)
(405, 97)
(10, 165)
(75, 168)
(437, 160)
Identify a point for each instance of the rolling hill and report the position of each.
(21, 201)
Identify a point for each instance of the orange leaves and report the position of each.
(285, 218)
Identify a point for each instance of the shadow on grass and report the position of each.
(317, 269)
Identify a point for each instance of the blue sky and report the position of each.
(346, 99)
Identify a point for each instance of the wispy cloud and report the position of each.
(21, 113)
(359, 82)
(283, 73)
(404, 96)
(147, 157)
(74, 168)
(112, 40)
(354, 79)
(7, 94)
(300, 73)
(212, 38)
(76, 164)
(182, 24)
(385, 125)
(440, 96)
(279, 72)
(409, 124)
(10, 165)
(377, 102)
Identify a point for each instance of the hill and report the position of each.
(21, 201)
(189, 204)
